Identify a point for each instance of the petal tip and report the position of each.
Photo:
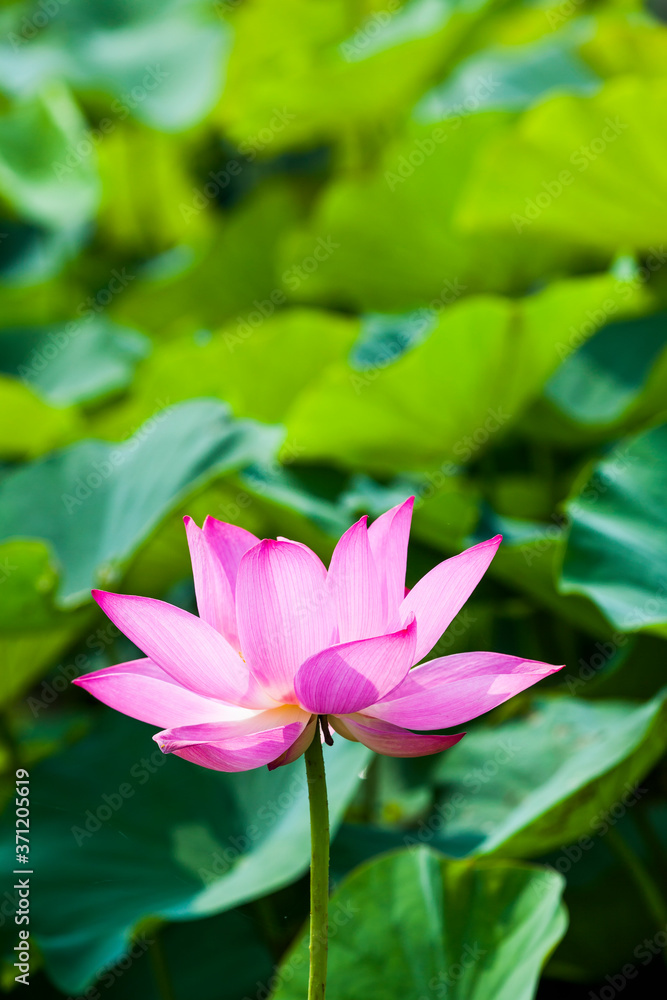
(545, 669)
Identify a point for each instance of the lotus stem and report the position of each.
(319, 866)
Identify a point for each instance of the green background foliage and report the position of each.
(286, 263)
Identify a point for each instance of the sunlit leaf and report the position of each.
(419, 924)
(327, 57)
(30, 426)
(448, 397)
(584, 169)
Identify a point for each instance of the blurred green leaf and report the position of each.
(149, 185)
(384, 337)
(123, 832)
(32, 632)
(191, 291)
(269, 360)
(529, 560)
(27, 566)
(75, 362)
(99, 502)
(258, 365)
(633, 666)
(598, 383)
(541, 782)
(616, 550)
(621, 43)
(162, 62)
(393, 418)
(30, 426)
(328, 57)
(584, 169)
(612, 384)
(416, 923)
(30, 254)
(231, 961)
(510, 78)
(602, 893)
(391, 233)
(37, 136)
(27, 655)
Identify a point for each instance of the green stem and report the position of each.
(369, 789)
(652, 842)
(160, 970)
(653, 898)
(319, 867)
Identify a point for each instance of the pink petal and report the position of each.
(141, 690)
(453, 689)
(236, 746)
(353, 586)
(388, 536)
(186, 647)
(349, 676)
(282, 538)
(392, 741)
(437, 598)
(215, 597)
(282, 611)
(230, 543)
(299, 746)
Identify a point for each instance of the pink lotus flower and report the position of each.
(281, 641)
